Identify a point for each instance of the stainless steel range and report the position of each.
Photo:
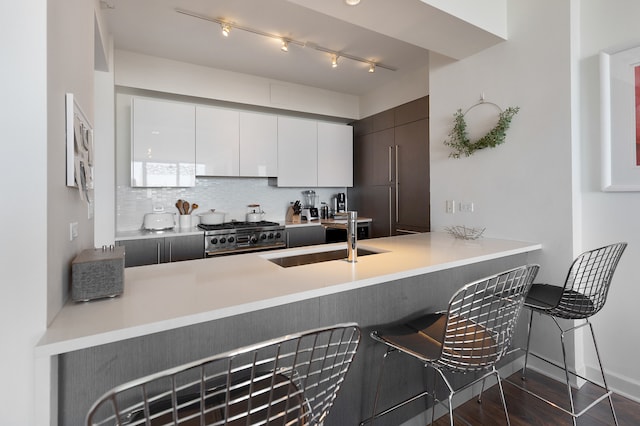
(239, 237)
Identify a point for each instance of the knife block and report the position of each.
(97, 273)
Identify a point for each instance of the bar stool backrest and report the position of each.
(588, 281)
(482, 317)
(292, 380)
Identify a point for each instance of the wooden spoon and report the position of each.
(179, 206)
(185, 207)
(193, 207)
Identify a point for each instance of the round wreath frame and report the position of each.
(459, 140)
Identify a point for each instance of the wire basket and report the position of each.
(464, 232)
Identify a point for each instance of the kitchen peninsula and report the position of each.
(177, 312)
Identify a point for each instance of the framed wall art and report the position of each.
(80, 153)
(620, 119)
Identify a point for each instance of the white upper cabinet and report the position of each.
(162, 143)
(297, 152)
(217, 141)
(258, 144)
(335, 155)
(174, 142)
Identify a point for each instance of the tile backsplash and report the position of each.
(229, 195)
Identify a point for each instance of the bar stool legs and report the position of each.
(568, 373)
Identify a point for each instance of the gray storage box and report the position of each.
(97, 273)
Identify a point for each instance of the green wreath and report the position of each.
(459, 140)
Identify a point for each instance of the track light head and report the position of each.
(372, 67)
(226, 29)
(285, 46)
(334, 61)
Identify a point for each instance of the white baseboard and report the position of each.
(623, 386)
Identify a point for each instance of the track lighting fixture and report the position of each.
(226, 29)
(285, 42)
(352, 2)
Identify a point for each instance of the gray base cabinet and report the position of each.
(143, 252)
(305, 236)
(151, 251)
(184, 248)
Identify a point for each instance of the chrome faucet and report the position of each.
(352, 236)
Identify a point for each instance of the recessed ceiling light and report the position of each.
(352, 2)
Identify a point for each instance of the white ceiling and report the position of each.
(401, 39)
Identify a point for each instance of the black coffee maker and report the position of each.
(341, 201)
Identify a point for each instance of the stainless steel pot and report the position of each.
(212, 218)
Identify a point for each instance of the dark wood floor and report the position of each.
(525, 409)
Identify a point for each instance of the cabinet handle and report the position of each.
(406, 231)
(390, 212)
(170, 246)
(397, 186)
(390, 168)
(158, 246)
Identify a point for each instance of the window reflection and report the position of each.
(156, 174)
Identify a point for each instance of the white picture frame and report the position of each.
(618, 120)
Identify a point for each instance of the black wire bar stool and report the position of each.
(292, 380)
(582, 296)
(470, 337)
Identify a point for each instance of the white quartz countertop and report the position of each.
(172, 295)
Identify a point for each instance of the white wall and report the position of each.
(398, 92)
(609, 217)
(70, 59)
(543, 183)
(489, 14)
(105, 150)
(23, 177)
(523, 188)
(163, 75)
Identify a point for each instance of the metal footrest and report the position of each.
(607, 393)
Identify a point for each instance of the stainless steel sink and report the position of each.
(323, 256)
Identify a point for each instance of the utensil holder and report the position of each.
(185, 221)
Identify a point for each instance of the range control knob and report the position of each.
(214, 241)
(263, 236)
(254, 239)
(223, 240)
(278, 235)
(231, 239)
(271, 235)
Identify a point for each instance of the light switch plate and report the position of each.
(450, 206)
(73, 231)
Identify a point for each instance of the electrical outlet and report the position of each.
(450, 206)
(466, 206)
(73, 231)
